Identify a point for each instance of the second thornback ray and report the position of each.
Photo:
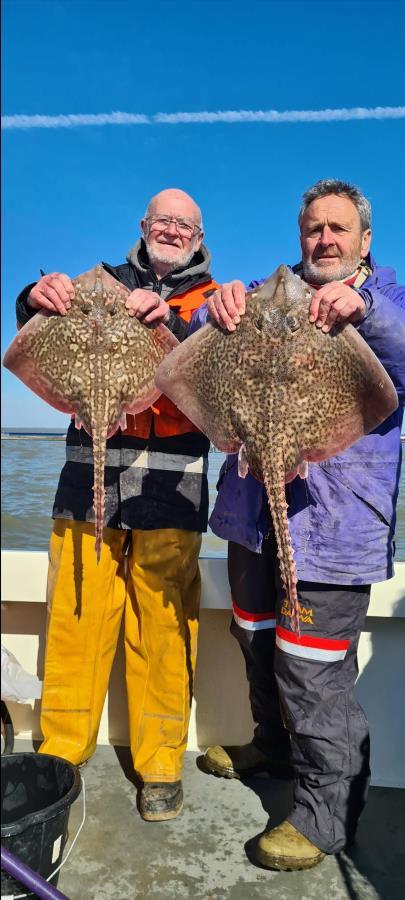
(281, 392)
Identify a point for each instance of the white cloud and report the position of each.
(230, 116)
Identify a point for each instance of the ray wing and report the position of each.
(49, 373)
(185, 377)
(359, 396)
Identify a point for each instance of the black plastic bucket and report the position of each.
(37, 792)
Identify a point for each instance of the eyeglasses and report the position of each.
(185, 227)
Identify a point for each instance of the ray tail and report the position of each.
(99, 442)
(273, 476)
(99, 406)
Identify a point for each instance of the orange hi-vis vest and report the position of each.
(163, 418)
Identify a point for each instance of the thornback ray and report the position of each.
(281, 392)
(96, 363)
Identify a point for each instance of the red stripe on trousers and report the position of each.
(252, 617)
(306, 640)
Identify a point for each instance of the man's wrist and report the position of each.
(23, 310)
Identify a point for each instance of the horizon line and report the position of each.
(245, 116)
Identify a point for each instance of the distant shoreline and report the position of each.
(33, 437)
(34, 434)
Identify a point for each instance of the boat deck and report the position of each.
(206, 853)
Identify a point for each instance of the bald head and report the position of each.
(174, 202)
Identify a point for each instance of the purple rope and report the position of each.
(32, 880)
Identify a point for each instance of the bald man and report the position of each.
(155, 511)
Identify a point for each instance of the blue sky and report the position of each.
(74, 195)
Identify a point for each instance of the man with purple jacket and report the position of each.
(342, 522)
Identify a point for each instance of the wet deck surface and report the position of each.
(206, 853)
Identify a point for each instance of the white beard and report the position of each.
(180, 262)
(315, 274)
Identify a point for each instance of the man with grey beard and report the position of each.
(309, 723)
(156, 507)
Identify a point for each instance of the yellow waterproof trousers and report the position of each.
(160, 592)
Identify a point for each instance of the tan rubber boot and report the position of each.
(236, 762)
(286, 848)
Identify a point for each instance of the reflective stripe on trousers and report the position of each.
(307, 684)
(160, 595)
(127, 457)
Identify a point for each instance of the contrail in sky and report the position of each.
(290, 115)
(230, 116)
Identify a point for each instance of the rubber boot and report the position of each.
(242, 761)
(160, 801)
(286, 848)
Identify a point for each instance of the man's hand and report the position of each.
(53, 292)
(335, 302)
(227, 305)
(148, 307)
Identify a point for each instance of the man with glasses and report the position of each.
(156, 508)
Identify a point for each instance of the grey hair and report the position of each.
(327, 186)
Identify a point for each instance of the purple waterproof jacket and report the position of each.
(342, 517)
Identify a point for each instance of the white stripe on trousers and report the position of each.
(254, 626)
(127, 458)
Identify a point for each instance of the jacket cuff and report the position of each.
(177, 326)
(24, 312)
(367, 296)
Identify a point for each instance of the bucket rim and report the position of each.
(43, 815)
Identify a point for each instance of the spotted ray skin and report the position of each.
(96, 362)
(281, 392)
